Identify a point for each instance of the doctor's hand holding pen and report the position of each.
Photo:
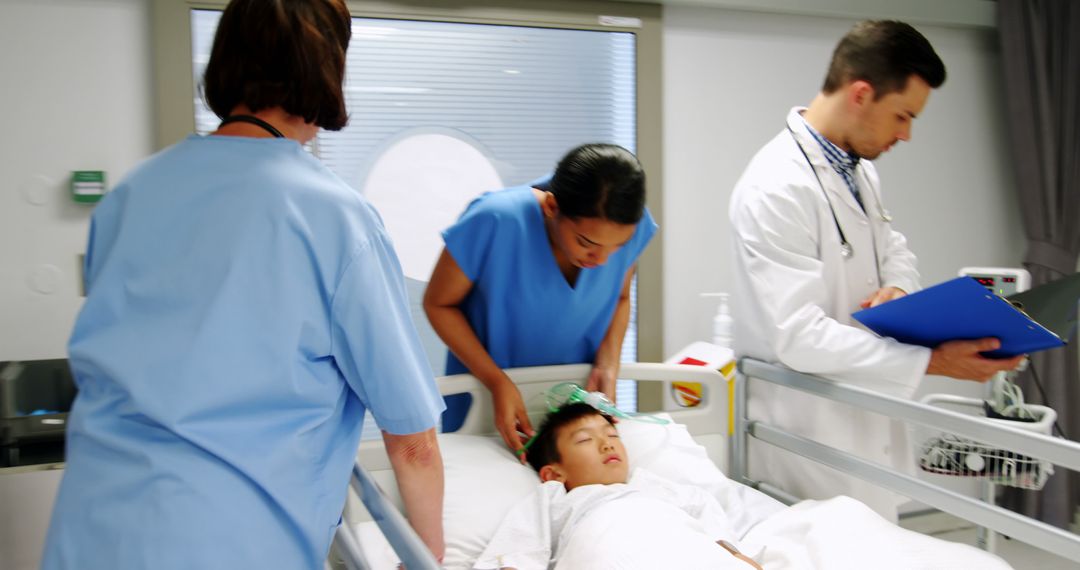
(962, 359)
(883, 295)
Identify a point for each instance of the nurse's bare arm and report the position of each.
(418, 469)
(445, 293)
(606, 368)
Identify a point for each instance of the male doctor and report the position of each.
(813, 244)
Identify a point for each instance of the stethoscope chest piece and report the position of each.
(846, 251)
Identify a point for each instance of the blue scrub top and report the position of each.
(521, 307)
(245, 307)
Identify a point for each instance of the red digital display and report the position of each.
(1009, 279)
(986, 281)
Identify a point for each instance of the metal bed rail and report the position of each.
(412, 551)
(1062, 452)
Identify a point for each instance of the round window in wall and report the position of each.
(420, 184)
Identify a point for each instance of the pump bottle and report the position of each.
(722, 322)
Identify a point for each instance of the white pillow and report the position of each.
(483, 480)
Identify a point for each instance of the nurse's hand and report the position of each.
(961, 359)
(602, 379)
(510, 416)
(883, 295)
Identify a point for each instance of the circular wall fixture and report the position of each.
(420, 184)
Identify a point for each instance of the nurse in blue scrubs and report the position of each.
(245, 308)
(540, 275)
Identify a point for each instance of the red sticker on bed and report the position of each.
(687, 394)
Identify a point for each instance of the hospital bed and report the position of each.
(483, 481)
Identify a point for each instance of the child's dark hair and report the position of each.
(600, 181)
(544, 449)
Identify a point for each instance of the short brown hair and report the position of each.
(884, 53)
(281, 53)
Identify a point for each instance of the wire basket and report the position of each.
(948, 454)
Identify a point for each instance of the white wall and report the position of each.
(75, 90)
(730, 76)
(76, 96)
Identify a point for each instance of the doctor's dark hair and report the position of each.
(884, 53)
(544, 449)
(281, 53)
(600, 181)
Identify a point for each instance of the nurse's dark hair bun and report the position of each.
(600, 180)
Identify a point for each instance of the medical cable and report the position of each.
(560, 395)
(567, 393)
(1042, 393)
(1007, 399)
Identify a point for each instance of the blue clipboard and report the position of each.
(960, 309)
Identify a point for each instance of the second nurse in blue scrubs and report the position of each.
(540, 275)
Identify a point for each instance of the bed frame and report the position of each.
(708, 424)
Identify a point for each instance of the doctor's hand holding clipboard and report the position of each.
(972, 331)
(959, 359)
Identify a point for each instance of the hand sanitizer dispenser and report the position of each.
(722, 324)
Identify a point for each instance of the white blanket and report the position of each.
(844, 534)
(647, 523)
(837, 534)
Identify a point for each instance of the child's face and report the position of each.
(590, 453)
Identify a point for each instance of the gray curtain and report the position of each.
(1040, 50)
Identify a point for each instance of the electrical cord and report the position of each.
(1008, 401)
(1045, 401)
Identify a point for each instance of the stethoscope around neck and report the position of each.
(846, 250)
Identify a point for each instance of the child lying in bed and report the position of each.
(591, 512)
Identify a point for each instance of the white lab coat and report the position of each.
(793, 297)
